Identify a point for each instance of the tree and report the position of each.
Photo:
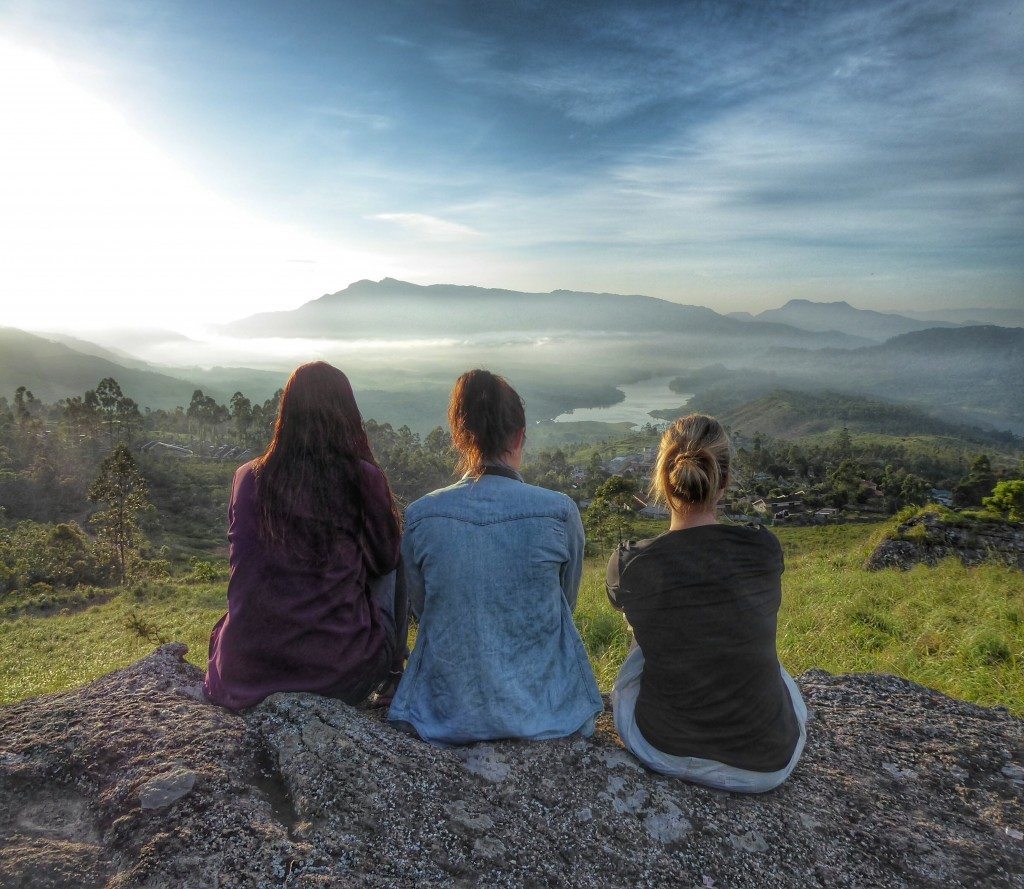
(128, 417)
(1008, 500)
(976, 484)
(121, 488)
(25, 406)
(914, 489)
(241, 415)
(606, 520)
(438, 443)
(81, 416)
(108, 397)
(844, 443)
(845, 481)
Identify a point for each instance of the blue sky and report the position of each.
(729, 154)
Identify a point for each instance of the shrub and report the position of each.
(1007, 500)
(203, 571)
(57, 555)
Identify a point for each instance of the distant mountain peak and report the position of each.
(801, 303)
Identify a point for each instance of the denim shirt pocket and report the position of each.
(548, 549)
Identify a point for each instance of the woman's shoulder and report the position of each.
(245, 475)
(547, 497)
(371, 471)
(704, 538)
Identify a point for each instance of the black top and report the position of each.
(703, 603)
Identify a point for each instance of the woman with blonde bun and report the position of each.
(701, 695)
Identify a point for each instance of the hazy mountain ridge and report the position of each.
(976, 315)
(53, 370)
(841, 316)
(395, 309)
(595, 343)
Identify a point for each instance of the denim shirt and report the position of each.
(493, 568)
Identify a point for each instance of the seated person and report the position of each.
(493, 569)
(701, 695)
(313, 603)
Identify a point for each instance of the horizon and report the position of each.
(209, 336)
(226, 161)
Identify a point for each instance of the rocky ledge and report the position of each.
(135, 781)
(927, 538)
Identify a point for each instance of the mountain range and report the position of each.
(392, 309)
(878, 326)
(563, 350)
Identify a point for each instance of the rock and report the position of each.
(751, 841)
(898, 773)
(489, 847)
(167, 788)
(668, 825)
(1013, 772)
(620, 759)
(485, 761)
(459, 812)
(926, 539)
(307, 792)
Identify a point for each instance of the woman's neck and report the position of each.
(680, 520)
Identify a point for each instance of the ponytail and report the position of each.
(485, 415)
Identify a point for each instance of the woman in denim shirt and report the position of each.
(493, 568)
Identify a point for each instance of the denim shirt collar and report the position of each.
(500, 469)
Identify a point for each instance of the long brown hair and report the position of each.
(693, 463)
(308, 482)
(485, 414)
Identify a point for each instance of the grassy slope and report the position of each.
(958, 630)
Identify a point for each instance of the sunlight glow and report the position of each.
(98, 227)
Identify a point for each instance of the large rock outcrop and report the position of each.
(135, 781)
(929, 537)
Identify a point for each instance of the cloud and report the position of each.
(430, 227)
(369, 120)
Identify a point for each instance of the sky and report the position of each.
(175, 163)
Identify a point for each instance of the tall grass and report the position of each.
(960, 630)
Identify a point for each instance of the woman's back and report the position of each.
(296, 623)
(703, 603)
(493, 566)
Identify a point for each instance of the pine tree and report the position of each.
(122, 489)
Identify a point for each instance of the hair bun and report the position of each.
(693, 462)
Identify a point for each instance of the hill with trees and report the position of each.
(54, 370)
(791, 414)
(972, 372)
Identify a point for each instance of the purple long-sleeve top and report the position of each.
(293, 625)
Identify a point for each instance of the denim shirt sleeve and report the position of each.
(413, 576)
(572, 570)
(613, 578)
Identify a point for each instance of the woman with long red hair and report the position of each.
(314, 542)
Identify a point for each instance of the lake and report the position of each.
(641, 398)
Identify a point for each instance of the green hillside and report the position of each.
(970, 374)
(53, 371)
(789, 414)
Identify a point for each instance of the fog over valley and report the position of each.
(569, 353)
